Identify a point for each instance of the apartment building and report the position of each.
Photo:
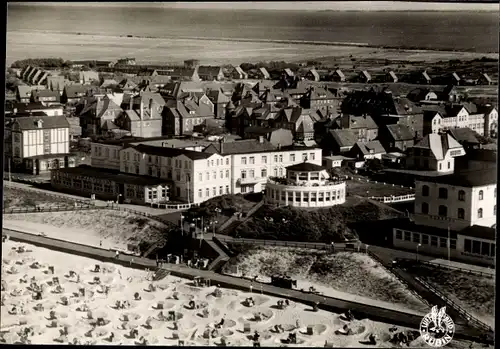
(455, 216)
(253, 161)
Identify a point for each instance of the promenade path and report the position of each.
(409, 318)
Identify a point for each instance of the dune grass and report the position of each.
(347, 272)
(21, 198)
(117, 226)
(473, 292)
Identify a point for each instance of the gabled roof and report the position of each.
(340, 73)
(48, 122)
(315, 73)
(132, 115)
(145, 97)
(486, 77)
(209, 70)
(439, 144)
(305, 167)
(218, 97)
(366, 75)
(373, 147)
(426, 76)
(240, 71)
(465, 135)
(72, 91)
(24, 91)
(45, 93)
(245, 146)
(399, 132)
(288, 72)
(170, 152)
(264, 72)
(344, 138)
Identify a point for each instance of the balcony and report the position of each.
(250, 180)
(290, 182)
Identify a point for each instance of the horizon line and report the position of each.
(309, 6)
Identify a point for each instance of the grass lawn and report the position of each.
(347, 272)
(91, 226)
(20, 198)
(473, 292)
(367, 189)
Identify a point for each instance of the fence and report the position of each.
(297, 244)
(471, 319)
(391, 272)
(391, 199)
(57, 208)
(469, 271)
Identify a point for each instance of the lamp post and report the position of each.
(217, 211)
(419, 245)
(366, 248)
(182, 225)
(213, 228)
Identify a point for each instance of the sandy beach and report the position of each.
(124, 306)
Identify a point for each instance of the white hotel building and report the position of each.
(456, 211)
(196, 176)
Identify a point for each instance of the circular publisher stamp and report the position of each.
(437, 328)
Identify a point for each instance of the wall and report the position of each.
(275, 165)
(34, 142)
(471, 204)
(211, 173)
(105, 156)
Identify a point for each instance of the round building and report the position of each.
(305, 185)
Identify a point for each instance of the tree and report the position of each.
(374, 165)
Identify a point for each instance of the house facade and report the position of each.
(143, 118)
(435, 152)
(39, 144)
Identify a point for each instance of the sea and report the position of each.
(458, 31)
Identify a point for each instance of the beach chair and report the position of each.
(247, 328)
(310, 330)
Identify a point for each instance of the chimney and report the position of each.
(221, 145)
(131, 103)
(279, 146)
(142, 110)
(261, 139)
(151, 108)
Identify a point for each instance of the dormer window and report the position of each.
(39, 123)
(192, 112)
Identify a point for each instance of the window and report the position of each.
(449, 165)
(425, 190)
(263, 173)
(243, 160)
(453, 244)
(227, 161)
(492, 251)
(304, 156)
(275, 158)
(214, 191)
(416, 238)
(281, 172)
(221, 192)
(442, 242)
(252, 160)
(425, 208)
(311, 156)
(440, 166)
(461, 195)
(485, 248)
(264, 159)
(292, 157)
(221, 174)
(468, 245)
(495, 210)
(399, 234)
(137, 169)
(207, 192)
(461, 213)
(178, 175)
(443, 193)
(480, 213)
(243, 174)
(227, 189)
(275, 172)
(217, 162)
(407, 236)
(434, 241)
(476, 247)
(281, 158)
(425, 239)
(214, 174)
(200, 177)
(481, 194)
(227, 173)
(208, 176)
(443, 211)
(150, 171)
(208, 163)
(150, 159)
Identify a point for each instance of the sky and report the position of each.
(298, 5)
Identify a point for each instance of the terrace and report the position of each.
(303, 182)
